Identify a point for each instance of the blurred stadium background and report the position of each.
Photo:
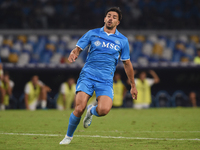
(36, 37)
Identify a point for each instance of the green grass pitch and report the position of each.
(121, 129)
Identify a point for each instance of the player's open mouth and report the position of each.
(109, 23)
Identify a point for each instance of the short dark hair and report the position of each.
(117, 10)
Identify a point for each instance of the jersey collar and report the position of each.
(116, 32)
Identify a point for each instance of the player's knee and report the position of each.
(79, 110)
(103, 111)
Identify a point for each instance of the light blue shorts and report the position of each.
(89, 84)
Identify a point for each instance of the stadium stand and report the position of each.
(24, 49)
(137, 14)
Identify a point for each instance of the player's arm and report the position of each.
(26, 101)
(130, 74)
(74, 54)
(9, 89)
(155, 76)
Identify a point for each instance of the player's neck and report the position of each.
(112, 31)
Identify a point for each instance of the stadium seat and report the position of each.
(128, 100)
(195, 39)
(13, 58)
(152, 38)
(13, 102)
(162, 99)
(24, 59)
(22, 38)
(5, 52)
(56, 58)
(53, 39)
(21, 102)
(147, 49)
(153, 101)
(167, 54)
(143, 61)
(179, 98)
(183, 38)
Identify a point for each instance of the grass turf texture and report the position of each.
(167, 125)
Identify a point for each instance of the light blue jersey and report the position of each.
(104, 51)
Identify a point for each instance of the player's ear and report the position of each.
(104, 19)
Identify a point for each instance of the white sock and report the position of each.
(43, 104)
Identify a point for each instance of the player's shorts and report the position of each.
(88, 83)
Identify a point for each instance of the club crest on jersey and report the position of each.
(117, 42)
(97, 43)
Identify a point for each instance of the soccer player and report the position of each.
(107, 44)
(2, 91)
(7, 85)
(1, 70)
(119, 90)
(143, 85)
(67, 94)
(35, 94)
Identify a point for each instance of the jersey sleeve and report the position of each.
(12, 84)
(150, 81)
(84, 41)
(125, 54)
(62, 89)
(27, 89)
(40, 83)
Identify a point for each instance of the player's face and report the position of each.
(142, 75)
(71, 81)
(6, 78)
(117, 77)
(111, 20)
(35, 80)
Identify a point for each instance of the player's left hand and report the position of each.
(134, 92)
(72, 57)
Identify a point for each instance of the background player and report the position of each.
(143, 85)
(107, 44)
(2, 91)
(35, 94)
(119, 91)
(7, 87)
(67, 94)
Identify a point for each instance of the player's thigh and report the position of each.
(81, 98)
(104, 102)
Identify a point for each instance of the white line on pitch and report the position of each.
(142, 131)
(108, 137)
(121, 131)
